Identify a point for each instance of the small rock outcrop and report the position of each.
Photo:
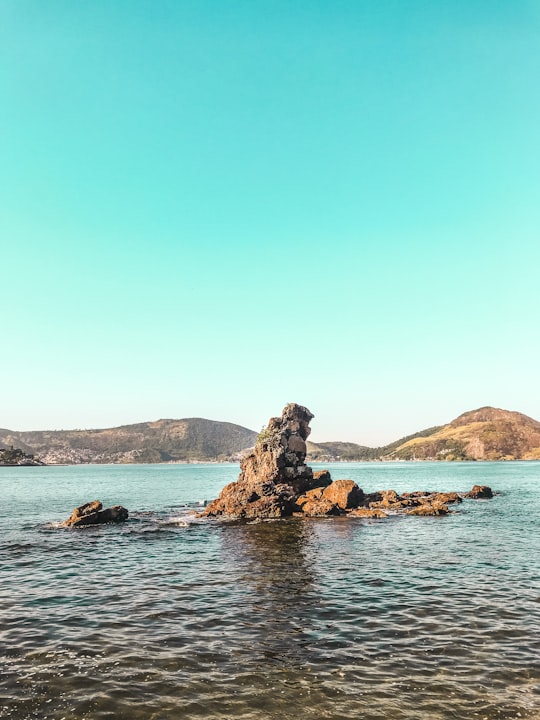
(92, 513)
(429, 508)
(344, 493)
(480, 492)
(332, 499)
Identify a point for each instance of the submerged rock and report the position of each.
(92, 513)
(368, 513)
(429, 508)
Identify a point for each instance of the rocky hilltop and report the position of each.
(487, 433)
(484, 434)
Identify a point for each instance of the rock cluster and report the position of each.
(92, 513)
(275, 482)
(334, 499)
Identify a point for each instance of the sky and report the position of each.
(210, 209)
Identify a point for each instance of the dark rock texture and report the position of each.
(92, 513)
(275, 481)
(321, 478)
(480, 492)
(274, 474)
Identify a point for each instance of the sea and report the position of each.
(171, 616)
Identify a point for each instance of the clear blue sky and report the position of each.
(213, 208)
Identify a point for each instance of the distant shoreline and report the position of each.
(311, 462)
(485, 434)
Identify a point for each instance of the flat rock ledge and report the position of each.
(92, 513)
(275, 482)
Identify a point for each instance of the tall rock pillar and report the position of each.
(274, 474)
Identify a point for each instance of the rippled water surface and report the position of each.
(168, 616)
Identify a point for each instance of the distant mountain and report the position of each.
(346, 451)
(190, 439)
(484, 434)
(330, 451)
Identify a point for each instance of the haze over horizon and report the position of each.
(210, 210)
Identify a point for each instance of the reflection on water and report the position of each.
(171, 617)
(282, 599)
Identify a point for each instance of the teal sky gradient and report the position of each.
(214, 208)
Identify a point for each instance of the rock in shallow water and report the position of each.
(427, 508)
(480, 492)
(274, 474)
(92, 513)
(345, 493)
(275, 482)
(366, 512)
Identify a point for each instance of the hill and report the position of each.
(347, 451)
(484, 434)
(332, 451)
(190, 439)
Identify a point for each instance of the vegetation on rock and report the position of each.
(15, 456)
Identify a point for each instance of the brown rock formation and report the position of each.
(421, 502)
(480, 492)
(310, 496)
(447, 497)
(274, 474)
(428, 508)
(344, 493)
(275, 482)
(321, 508)
(333, 499)
(92, 513)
